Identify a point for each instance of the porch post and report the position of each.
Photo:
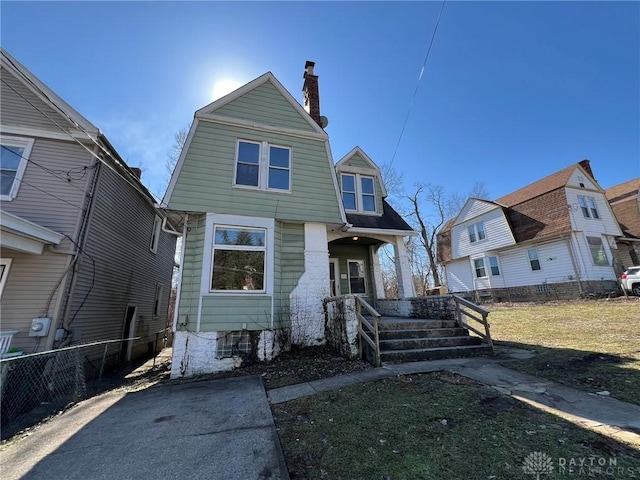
(377, 271)
(403, 270)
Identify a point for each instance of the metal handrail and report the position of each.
(375, 343)
(460, 312)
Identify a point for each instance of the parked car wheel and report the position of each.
(636, 289)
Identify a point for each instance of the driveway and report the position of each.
(219, 429)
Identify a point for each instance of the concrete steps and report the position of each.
(411, 339)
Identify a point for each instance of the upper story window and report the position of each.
(263, 166)
(597, 251)
(14, 155)
(476, 232)
(534, 261)
(239, 259)
(155, 234)
(588, 207)
(5, 263)
(358, 193)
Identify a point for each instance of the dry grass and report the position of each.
(591, 345)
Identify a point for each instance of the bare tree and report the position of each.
(179, 139)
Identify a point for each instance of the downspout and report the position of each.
(81, 243)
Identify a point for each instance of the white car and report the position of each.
(630, 280)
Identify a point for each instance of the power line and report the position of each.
(415, 92)
(43, 191)
(101, 147)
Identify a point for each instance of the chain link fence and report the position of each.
(35, 386)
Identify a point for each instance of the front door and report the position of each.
(334, 278)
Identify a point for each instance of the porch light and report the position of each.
(354, 238)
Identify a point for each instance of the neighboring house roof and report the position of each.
(534, 212)
(389, 220)
(624, 200)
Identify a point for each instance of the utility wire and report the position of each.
(102, 148)
(43, 191)
(415, 92)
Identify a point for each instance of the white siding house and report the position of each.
(552, 238)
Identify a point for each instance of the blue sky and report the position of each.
(512, 91)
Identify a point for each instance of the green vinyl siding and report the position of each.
(192, 269)
(235, 312)
(205, 181)
(289, 239)
(357, 161)
(352, 252)
(265, 104)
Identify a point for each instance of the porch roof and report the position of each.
(25, 236)
(389, 220)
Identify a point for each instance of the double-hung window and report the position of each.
(5, 263)
(14, 155)
(238, 259)
(157, 301)
(588, 207)
(155, 234)
(597, 251)
(263, 165)
(476, 232)
(358, 193)
(356, 277)
(478, 264)
(494, 266)
(534, 261)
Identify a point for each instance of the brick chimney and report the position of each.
(311, 93)
(586, 164)
(137, 172)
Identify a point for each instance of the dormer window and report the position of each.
(358, 193)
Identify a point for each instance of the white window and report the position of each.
(494, 266)
(588, 207)
(357, 284)
(263, 166)
(5, 263)
(478, 264)
(534, 261)
(155, 234)
(158, 299)
(14, 156)
(239, 259)
(597, 251)
(358, 193)
(476, 232)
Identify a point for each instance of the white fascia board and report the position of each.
(382, 231)
(21, 234)
(176, 171)
(70, 136)
(235, 122)
(267, 77)
(343, 214)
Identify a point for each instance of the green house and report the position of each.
(271, 227)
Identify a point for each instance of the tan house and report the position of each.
(85, 254)
(625, 202)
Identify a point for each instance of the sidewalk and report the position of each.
(605, 415)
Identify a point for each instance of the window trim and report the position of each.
(155, 234)
(157, 300)
(237, 221)
(476, 267)
(531, 260)
(475, 231)
(6, 262)
(359, 193)
(588, 207)
(241, 248)
(364, 275)
(264, 166)
(20, 142)
(497, 265)
(605, 262)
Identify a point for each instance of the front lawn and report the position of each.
(433, 426)
(590, 345)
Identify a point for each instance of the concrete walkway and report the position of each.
(605, 415)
